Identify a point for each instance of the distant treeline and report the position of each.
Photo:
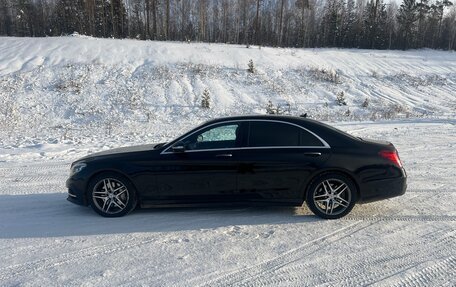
(371, 24)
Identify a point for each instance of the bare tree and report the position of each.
(302, 6)
(257, 22)
(280, 30)
(202, 20)
(167, 36)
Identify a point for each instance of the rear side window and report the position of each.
(265, 134)
(308, 139)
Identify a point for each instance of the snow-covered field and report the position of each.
(65, 97)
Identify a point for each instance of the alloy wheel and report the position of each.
(110, 196)
(332, 197)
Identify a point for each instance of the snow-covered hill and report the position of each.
(62, 98)
(81, 87)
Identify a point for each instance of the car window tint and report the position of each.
(308, 139)
(263, 134)
(224, 136)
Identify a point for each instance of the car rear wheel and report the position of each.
(331, 196)
(111, 195)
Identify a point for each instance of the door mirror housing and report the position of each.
(178, 147)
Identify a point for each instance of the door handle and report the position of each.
(224, 155)
(314, 154)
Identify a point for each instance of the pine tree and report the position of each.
(118, 19)
(349, 25)
(340, 100)
(70, 17)
(271, 109)
(23, 18)
(381, 40)
(332, 23)
(251, 68)
(375, 25)
(205, 101)
(102, 18)
(423, 10)
(438, 13)
(407, 17)
(6, 21)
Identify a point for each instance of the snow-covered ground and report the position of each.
(405, 241)
(63, 98)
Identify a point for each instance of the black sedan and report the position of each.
(273, 160)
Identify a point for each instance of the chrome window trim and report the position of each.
(325, 144)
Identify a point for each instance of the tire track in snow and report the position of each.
(349, 275)
(390, 216)
(36, 179)
(440, 190)
(29, 268)
(33, 179)
(49, 186)
(440, 273)
(293, 255)
(386, 267)
(421, 218)
(286, 258)
(34, 168)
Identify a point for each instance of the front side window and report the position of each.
(273, 134)
(223, 133)
(223, 136)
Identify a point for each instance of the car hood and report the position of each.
(121, 150)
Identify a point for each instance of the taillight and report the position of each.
(392, 156)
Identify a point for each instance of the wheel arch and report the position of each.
(323, 172)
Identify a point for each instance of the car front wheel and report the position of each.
(331, 196)
(111, 195)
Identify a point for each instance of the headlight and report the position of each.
(77, 168)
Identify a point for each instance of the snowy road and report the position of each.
(405, 241)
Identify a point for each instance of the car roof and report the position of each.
(332, 135)
(264, 117)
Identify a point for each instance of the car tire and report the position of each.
(331, 196)
(111, 195)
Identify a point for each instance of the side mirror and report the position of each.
(178, 147)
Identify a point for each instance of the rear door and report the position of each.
(278, 159)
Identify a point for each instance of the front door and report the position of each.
(206, 171)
